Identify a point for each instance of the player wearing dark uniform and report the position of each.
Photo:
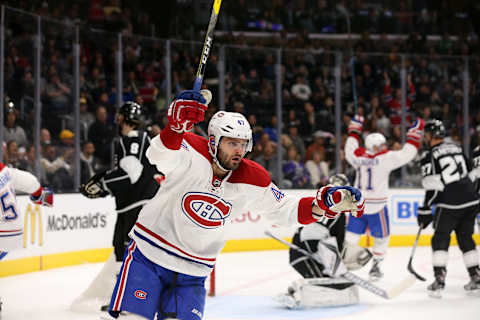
(308, 238)
(475, 175)
(132, 182)
(448, 186)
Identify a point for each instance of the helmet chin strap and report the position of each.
(217, 162)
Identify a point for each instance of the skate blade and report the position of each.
(437, 294)
(473, 293)
(374, 278)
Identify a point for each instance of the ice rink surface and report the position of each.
(246, 285)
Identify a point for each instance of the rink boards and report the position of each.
(79, 230)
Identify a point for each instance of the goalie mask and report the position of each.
(338, 180)
(228, 124)
(374, 140)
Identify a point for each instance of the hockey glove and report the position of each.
(415, 132)
(43, 196)
(356, 125)
(188, 109)
(335, 200)
(424, 217)
(94, 187)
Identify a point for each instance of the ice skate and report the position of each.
(435, 289)
(375, 272)
(287, 299)
(473, 287)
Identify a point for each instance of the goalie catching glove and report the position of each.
(43, 196)
(94, 187)
(188, 109)
(335, 200)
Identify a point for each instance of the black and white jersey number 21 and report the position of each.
(453, 168)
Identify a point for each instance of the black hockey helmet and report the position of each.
(436, 128)
(338, 179)
(132, 113)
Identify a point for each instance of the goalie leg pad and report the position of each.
(321, 292)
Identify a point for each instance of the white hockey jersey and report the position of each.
(183, 227)
(373, 170)
(11, 219)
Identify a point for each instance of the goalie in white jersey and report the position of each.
(11, 219)
(180, 232)
(373, 165)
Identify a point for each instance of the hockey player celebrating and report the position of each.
(11, 219)
(132, 182)
(448, 185)
(321, 285)
(180, 232)
(373, 165)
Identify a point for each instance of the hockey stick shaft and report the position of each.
(349, 276)
(409, 265)
(207, 45)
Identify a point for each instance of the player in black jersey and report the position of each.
(449, 187)
(132, 182)
(475, 175)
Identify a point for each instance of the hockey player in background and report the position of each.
(132, 181)
(11, 219)
(321, 285)
(373, 164)
(180, 232)
(475, 175)
(449, 187)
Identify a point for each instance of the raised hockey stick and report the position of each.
(409, 266)
(207, 45)
(367, 285)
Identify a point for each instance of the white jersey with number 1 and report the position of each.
(11, 219)
(373, 170)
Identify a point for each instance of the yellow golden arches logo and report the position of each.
(33, 213)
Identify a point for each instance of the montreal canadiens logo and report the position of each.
(211, 143)
(206, 210)
(140, 294)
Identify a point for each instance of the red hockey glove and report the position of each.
(188, 109)
(356, 125)
(42, 196)
(415, 132)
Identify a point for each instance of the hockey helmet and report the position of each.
(436, 128)
(339, 179)
(228, 124)
(375, 139)
(132, 113)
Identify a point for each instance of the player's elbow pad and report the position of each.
(132, 166)
(433, 182)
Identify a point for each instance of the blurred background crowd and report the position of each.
(435, 43)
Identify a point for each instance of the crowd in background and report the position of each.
(434, 85)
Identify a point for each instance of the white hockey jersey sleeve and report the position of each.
(167, 156)
(24, 181)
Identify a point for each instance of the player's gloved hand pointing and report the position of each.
(188, 109)
(335, 200)
(43, 196)
(415, 132)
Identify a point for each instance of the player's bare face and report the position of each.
(231, 151)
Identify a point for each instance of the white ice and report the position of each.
(246, 283)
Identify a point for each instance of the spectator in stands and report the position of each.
(294, 171)
(57, 170)
(318, 144)
(307, 120)
(12, 131)
(89, 164)
(297, 141)
(271, 128)
(12, 154)
(394, 102)
(101, 134)
(318, 169)
(58, 94)
(268, 159)
(29, 163)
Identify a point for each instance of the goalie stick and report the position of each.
(409, 266)
(207, 45)
(367, 285)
